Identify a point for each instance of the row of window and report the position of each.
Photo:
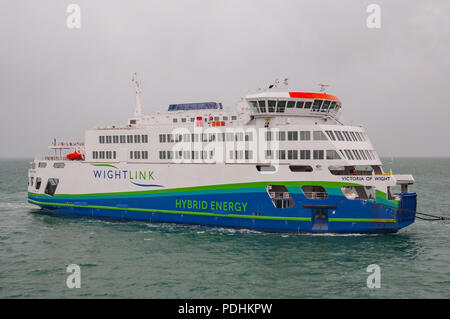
(205, 137)
(280, 106)
(247, 154)
(122, 139)
(346, 136)
(241, 136)
(302, 154)
(215, 118)
(44, 165)
(359, 154)
(294, 136)
(138, 154)
(104, 154)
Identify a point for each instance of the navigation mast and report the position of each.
(137, 86)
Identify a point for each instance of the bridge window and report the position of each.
(332, 105)
(59, 165)
(52, 183)
(308, 105)
(300, 104)
(129, 138)
(316, 105)
(325, 106)
(122, 139)
(42, 165)
(280, 196)
(281, 106)
(108, 139)
(115, 139)
(101, 139)
(272, 105)
(290, 104)
(300, 168)
(314, 192)
(254, 106)
(262, 106)
(137, 138)
(144, 138)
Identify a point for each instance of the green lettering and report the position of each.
(245, 206)
(230, 206)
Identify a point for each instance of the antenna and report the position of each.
(323, 87)
(137, 86)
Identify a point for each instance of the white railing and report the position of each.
(316, 195)
(66, 144)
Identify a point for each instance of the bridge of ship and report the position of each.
(292, 103)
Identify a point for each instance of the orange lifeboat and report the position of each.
(75, 156)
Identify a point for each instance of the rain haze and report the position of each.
(55, 81)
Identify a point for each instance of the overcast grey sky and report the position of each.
(56, 81)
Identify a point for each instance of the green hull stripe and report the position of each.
(104, 165)
(352, 220)
(171, 211)
(361, 220)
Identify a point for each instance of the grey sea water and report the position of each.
(142, 260)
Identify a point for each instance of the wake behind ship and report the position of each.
(280, 161)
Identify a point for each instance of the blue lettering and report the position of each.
(97, 173)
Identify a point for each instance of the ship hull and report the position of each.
(245, 206)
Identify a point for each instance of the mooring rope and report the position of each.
(435, 217)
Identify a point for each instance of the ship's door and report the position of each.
(319, 216)
(320, 219)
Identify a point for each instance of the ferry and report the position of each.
(280, 161)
